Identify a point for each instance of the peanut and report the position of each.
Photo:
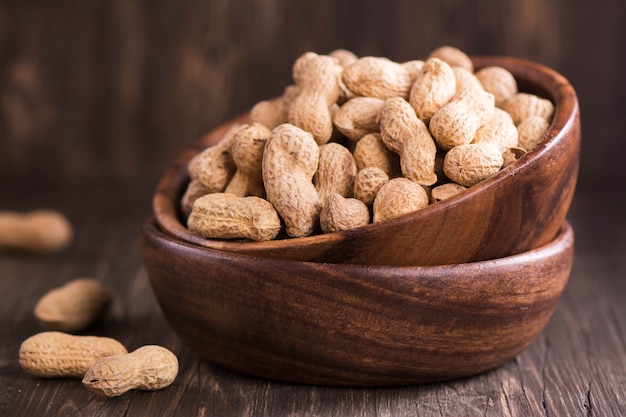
(289, 163)
(377, 77)
(195, 189)
(404, 133)
(500, 131)
(499, 82)
(274, 112)
(453, 57)
(512, 154)
(317, 76)
(531, 131)
(358, 116)
(214, 167)
(148, 368)
(445, 191)
(397, 197)
(227, 216)
(55, 354)
(456, 123)
(432, 89)
(247, 153)
(371, 151)
(465, 79)
(523, 105)
(38, 231)
(367, 183)
(469, 164)
(335, 172)
(74, 306)
(339, 213)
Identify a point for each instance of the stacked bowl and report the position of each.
(451, 290)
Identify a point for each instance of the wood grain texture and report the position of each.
(576, 366)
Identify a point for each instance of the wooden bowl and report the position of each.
(519, 209)
(343, 324)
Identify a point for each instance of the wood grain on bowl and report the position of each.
(519, 209)
(342, 324)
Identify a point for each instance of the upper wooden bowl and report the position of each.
(342, 324)
(520, 208)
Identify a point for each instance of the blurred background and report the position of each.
(94, 90)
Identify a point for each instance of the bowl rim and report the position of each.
(563, 241)
(170, 187)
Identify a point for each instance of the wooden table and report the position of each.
(576, 367)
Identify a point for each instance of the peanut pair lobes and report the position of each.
(437, 123)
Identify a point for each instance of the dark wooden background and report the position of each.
(97, 97)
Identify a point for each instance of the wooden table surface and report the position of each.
(577, 366)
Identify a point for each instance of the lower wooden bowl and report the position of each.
(357, 325)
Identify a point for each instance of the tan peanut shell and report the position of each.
(37, 231)
(227, 216)
(404, 133)
(194, 190)
(358, 116)
(445, 191)
(247, 154)
(454, 57)
(340, 213)
(74, 306)
(531, 131)
(500, 131)
(465, 79)
(367, 183)
(397, 197)
(289, 163)
(377, 77)
(499, 82)
(317, 76)
(432, 89)
(371, 151)
(470, 164)
(214, 166)
(56, 354)
(456, 123)
(523, 105)
(511, 155)
(148, 368)
(336, 170)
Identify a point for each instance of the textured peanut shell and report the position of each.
(377, 77)
(404, 133)
(499, 82)
(317, 76)
(531, 131)
(445, 191)
(432, 89)
(37, 231)
(498, 131)
(227, 216)
(335, 171)
(523, 105)
(470, 164)
(148, 368)
(465, 79)
(456, 123)
(358, 116)
(397, 197)
(367, 183)
(289, 163)
(194, 190)
(340, 213)
(247, 154)
(56, 354)
(371, 151)
(74, 306)
(214, 166)
(454, 57)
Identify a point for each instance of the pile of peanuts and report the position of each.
(357, 140)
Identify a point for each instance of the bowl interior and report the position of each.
(520, 208)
